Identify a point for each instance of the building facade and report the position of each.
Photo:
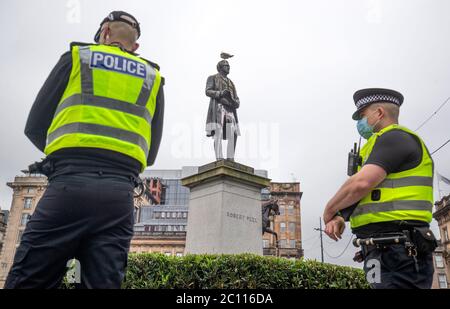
(155, 189)
(441, 255)
(161, 227)
(3, 222)
(288, 224)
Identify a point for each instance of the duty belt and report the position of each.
(385, 240)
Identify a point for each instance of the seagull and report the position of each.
(225, 55)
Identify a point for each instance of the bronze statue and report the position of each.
(222, 121)
(270, 208)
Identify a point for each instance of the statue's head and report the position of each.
(223, 67)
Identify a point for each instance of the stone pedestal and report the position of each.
(224, 209)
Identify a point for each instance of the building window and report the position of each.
(184, 215)
(179, 254)
(281, 210)
(442, 281)
(282, 227)
(290, 210)
(292, 243)
(265, 243)
(445, 233)
(179, 215)
(292, 227)
(265, 194)
(24, 220)
(283, 243)
(30, 190)
(174, 214)
(27, 203)
(163, 215)
(439, 261)
(174, 192)
(157, 215)
(167, 253)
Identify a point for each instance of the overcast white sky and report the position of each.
(296, 67)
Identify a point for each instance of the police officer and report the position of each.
(391, 194)
(99, 119)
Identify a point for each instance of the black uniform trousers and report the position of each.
(86, 216)
(390, 267)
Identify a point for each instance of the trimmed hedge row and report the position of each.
(244, 271)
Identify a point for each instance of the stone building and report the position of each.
(288, 224)
(3, 222)
(441, 255)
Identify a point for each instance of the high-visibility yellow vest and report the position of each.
(108, 103)
(406, 195)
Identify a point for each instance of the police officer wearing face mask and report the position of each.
(98, 118)
(389, 200)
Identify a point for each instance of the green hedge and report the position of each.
(245, 271)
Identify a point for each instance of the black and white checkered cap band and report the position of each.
(377, 98)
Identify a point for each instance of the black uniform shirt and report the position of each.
(71, 160)
(394, 151)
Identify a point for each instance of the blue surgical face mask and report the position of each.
(364, 128)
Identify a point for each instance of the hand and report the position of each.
(335, 228)
(225, 101)
(225, 93)
(327, 215)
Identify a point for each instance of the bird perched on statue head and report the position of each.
(225, 55)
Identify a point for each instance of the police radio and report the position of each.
(354, 159)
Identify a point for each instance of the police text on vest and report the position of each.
(117, 63)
